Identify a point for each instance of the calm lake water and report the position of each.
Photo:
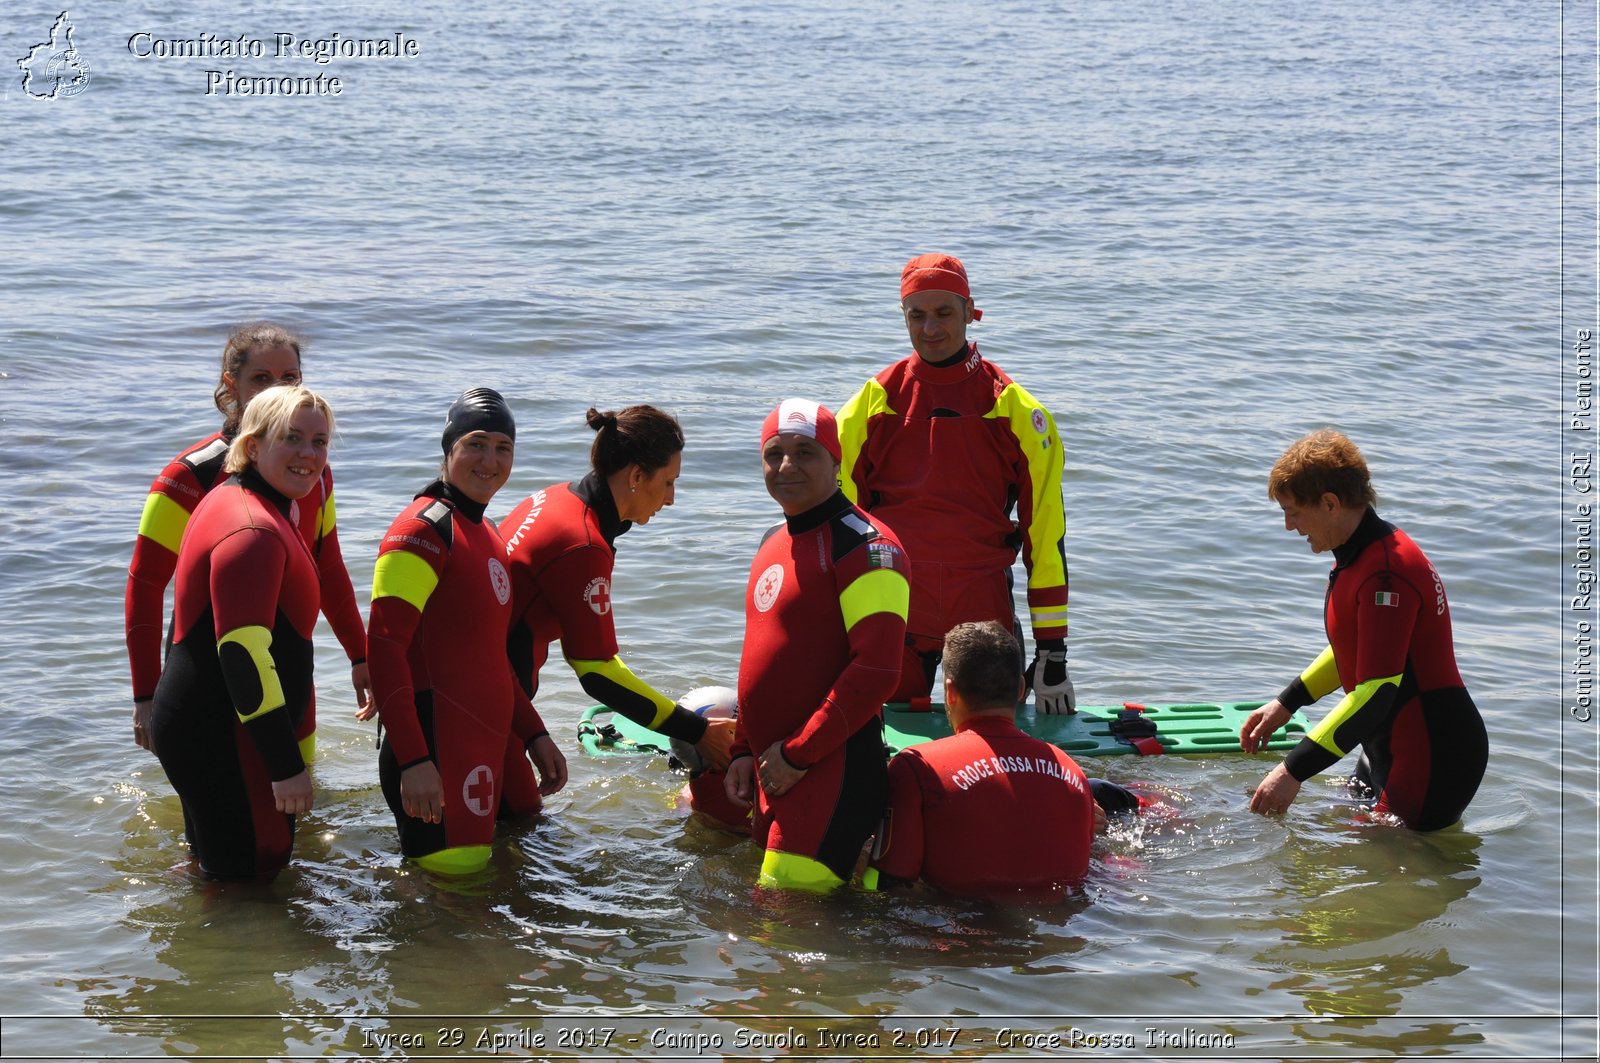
(1197, 231)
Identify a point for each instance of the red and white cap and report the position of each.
(937, 273)
(803, 418)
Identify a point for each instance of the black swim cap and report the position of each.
(477, 410)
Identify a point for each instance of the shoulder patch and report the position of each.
(206, 463)
(850, 530)
(438, 517)
(856, 523)
(881, 553)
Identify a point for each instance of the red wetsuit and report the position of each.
(238, 677)
(824, 628)
(560, 547)
(945, 454)
(988, 812)
(1390, 647)
(441, 605)
(173, 497)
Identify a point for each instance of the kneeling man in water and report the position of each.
(990, 811)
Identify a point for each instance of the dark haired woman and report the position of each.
(1423, 744)
(561, 543)
(256, 357)
(441, 605)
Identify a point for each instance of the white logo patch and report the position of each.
(1040, 425)
(499, 580)
(477, 791)
(598, 595)
(767, 587)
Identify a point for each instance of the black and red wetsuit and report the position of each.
(824, 628)
(238, 677)
(988, 812)
(174, 494)
(1424, 748)
(561, 547)
(945, 454)
(441, 605)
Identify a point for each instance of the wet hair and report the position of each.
(242, 342)
(268, 417)
(983, 662)
(639, 435)
(1324, 461)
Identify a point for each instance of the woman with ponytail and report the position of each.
(561, 545)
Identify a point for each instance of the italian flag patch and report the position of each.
(1386, 598)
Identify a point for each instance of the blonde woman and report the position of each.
(237, 683)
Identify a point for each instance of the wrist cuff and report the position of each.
(1295, 695)
(684, 725)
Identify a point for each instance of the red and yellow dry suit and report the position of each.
(1389, 646)
(238, 677)
(824, 625)
(441, 606)
(988, 812)
(174, 494)
(944, 455)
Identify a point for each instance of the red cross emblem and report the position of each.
(477, 792)
(768, 586)
(598, 595)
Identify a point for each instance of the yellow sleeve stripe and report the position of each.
(163, 521)
(1321, 676)
(325, 525)
(1017, 408)
(881, 590)
(1049, 616)
(852, 420)
(257, 642)
(1323, 733)
(620, 674)
(402, 574)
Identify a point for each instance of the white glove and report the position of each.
(1053, 694)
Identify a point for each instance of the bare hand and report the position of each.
(361, 679)
(422, 792)
(142, 711)
(1101, 820)
(739, 782)
(1259, 725)
(551, 762)
(777, 775)
(1276, 792)
(293, 795)
(716, 745)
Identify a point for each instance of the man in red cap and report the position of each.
(945, 447)
(825, 619)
